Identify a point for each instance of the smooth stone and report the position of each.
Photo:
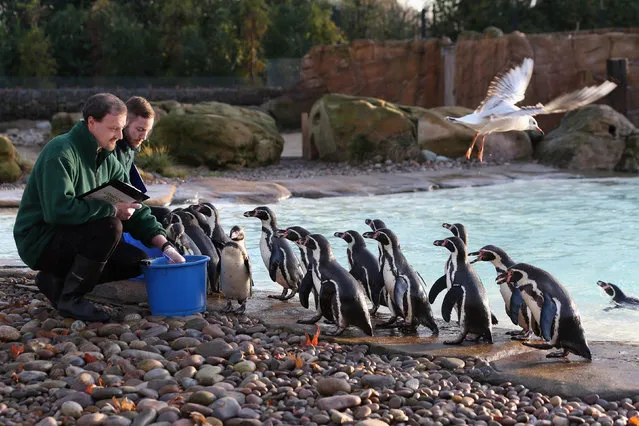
(9, 334)
(157, 374)
(117, 421)
(185, 373)
(243, 422)
(202, 398)
(412, 384)
(452, 363)
(245, 367)
(190, 407)
(106, 393)
(153, 331)
(248, 413)
(378, 381)
(149, 364)
(168, 416)
(145, 417)
(322, 419)
(225, 408)
(362, 413)
(216, 348)
(92, 419)
(340, 418)
(185, 342)
(148, 403)
(338, 402)
(28, 376)
(196, 323)
(140, 354)
(115, 329)
(327, 386)
(71, 408)
(555, 401)
(208, 375)
(47, 421)
(213, 330)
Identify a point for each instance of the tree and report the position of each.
(34, 47)
(254, 24)
(70, 41)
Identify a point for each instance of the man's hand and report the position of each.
(124, 211)
(173, 255)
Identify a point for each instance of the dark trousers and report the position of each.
(98, 240)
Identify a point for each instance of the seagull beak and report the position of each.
(539, 130)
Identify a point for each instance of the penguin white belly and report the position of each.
(389, 278)
(265, 251)
(535, 309)
(235, 281)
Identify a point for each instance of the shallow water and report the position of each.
(580, 231)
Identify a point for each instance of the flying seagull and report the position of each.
(498, 111)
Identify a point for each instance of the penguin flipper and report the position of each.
(437, 288)
(516, 300)
(399, 292)
(548, 312)
(452, 299)
(327, 299)
(305, 289)
(493, 319)
(276, 260)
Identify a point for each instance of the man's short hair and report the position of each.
(139, 107)
(101, 104)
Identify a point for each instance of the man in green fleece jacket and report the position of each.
(75, 243)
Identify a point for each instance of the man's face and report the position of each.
(137, 130)
(107, 131)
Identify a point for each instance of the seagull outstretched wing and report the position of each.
(509, 88)
(567, 102)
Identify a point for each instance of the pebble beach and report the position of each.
(223, 369)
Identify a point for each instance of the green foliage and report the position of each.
(156, 159)
(34, 52)
(378, 19)
(70, 42)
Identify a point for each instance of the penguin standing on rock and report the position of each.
(405, 288)
(553, 309)
(340, 293)
(501, 261)
(364, 266)
(467, 295)
(236, 280)
(310, 283)
(618, 297)
(283, 266)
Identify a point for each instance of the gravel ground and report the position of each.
(222, 369)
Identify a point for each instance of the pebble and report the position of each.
(328, 386)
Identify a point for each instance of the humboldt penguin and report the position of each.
(619, 297)
(552, 307)
(203, 243)
(467, 295)
(376, 224)
(283, 266)
(364, 266)
(501, 261)
(404, 286)
(458, 230)
(310, 283)
(340, 294)
(183, 243)
(210, 212)
(236, 280)
(446, 280)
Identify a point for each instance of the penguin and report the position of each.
(236, 280)
(501, 261)
(458, 230)
(283, 266)
(217, 235)
(467, 295)
(310, 283)
(552, 307)
(340, 293)
(364, 266)
(618, 296)
(405, 288)
(183, 243)
(203, 243)
(375, 224)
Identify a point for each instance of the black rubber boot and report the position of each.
(80, 280)
(50, 286)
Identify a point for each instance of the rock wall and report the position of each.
(43, 103)
(410, 72)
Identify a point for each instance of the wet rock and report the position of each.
(451, 363)
(328, 386)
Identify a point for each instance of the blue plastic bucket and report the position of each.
(176, 289)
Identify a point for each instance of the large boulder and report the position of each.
(629, 161)
(349, 128)
(218, 135)
(592, 137)
(443, 137)
(287, 109)
(62, 122)
(10, 170)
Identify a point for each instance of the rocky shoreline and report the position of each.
(222, 369)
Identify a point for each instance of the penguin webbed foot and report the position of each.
(391, 323)
(228, 307)
(311, 320)
(523, 335)
(558, 354)
(241, 309)
(282, 296)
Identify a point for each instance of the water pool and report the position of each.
(579, 230)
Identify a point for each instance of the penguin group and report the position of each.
(534, 300)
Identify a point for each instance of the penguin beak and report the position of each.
(447, 225)
(438, 242)
(367, 221)
(475, 253)
(502, 278)
(367, 234)
(281, 233)
(539, 130)
(339, 234)
(602, 284)
(250, 213)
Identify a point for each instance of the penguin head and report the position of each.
(351, 237)
(488, 253)
(319, 245)
(187, 217)
(264, 214)
(375, 224)
(384, 236)
(608, 288)
(174, 217)
(208, 210)
(453, 244)
(514, 276)
(293, 233)
(458, 230)
(236, 233)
